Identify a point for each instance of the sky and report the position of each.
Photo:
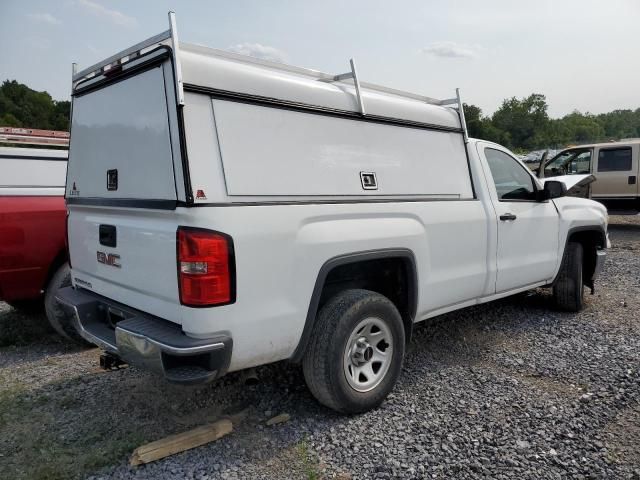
(582, 54)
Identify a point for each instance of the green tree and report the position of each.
(582, 128)
(526, 121)
(620, 123)
(474, 119)
(480, 126)
(20, 106)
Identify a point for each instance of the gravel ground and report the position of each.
(511, 389)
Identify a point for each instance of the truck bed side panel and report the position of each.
(32, 234)
(280, 250)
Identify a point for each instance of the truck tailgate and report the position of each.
(134, 263)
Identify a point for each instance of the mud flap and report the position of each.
(591, 285)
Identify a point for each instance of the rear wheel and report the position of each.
(58, 318)
(568, 289)
(356, 351)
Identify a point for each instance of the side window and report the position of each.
(580, 164)
(614, 160)
(511, 179)
(569, 162)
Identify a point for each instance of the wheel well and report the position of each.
(389, 274)
(386, 276)
(591, 241)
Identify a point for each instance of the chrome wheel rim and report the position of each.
(368, 354)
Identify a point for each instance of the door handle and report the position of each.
(631, 180)
(507, 216)
(107, 235)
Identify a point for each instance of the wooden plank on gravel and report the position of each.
(180, 442)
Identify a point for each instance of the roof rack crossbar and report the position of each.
(352, 74)
(455, 102)
(448, 101)
(130, 52)
(134, 52)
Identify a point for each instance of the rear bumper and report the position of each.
(146, 341)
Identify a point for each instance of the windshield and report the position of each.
(569, 162)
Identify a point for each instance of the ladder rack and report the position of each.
(353, 74)
(33, 136)
(131, 53)
(170, 37)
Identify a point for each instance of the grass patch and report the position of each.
(47, 440)
(309, 461)
(22, 328)
(8, 398)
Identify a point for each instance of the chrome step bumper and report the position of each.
(146, 341)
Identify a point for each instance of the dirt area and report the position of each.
(512, 389)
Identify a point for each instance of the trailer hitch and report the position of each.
(109, 361)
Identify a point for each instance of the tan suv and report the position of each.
(615, 165)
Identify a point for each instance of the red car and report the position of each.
(33, 253)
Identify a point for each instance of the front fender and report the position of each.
(580, 215)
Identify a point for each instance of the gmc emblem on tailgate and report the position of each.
(112, 259)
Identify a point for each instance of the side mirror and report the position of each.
(552, 189)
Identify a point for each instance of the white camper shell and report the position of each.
(227, 212)
(246, 122)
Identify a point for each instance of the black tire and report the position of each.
(59, 320)
(324, 361)
(568, 289)
(32, 306)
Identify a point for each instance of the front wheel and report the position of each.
(355, 354)
(568, 289)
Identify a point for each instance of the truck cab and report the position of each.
(615, 166)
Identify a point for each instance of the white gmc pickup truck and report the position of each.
(227, 212)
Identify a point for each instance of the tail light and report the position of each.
(206, 267)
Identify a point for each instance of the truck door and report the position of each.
(527, 250)
(616, 169)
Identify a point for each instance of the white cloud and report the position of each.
(93, 49)
(259, 51)
(449, 50)
(44, 18)
(113, 16)
(38, 43)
